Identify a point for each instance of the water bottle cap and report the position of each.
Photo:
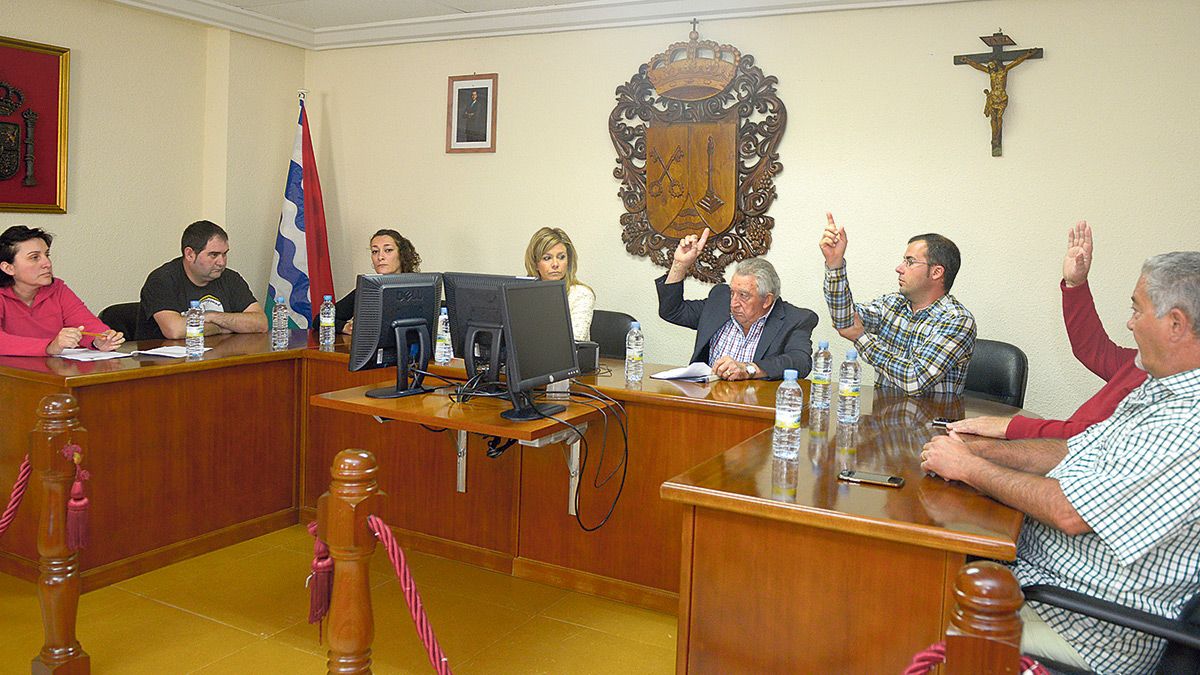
(823, 344)
(279, 300)
(194, 303)
(328, 298)
(790, 375)
(851, 354)
(634, 324)
(444, 310)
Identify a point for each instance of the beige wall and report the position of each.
(171, 121)
(882, 129)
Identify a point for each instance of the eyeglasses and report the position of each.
(909, 261)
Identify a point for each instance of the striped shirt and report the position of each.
(917, 352)
(731, 341)
(1133, 480)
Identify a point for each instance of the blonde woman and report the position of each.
(551, 257)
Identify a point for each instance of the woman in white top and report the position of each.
(550, 257)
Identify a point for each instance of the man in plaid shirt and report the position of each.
(1113, 512)
(920, 339)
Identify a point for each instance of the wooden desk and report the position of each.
(511, 519)
(787, 569)
(185, 457)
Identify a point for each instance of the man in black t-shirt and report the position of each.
(199, 274)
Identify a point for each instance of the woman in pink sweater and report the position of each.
(39, 315)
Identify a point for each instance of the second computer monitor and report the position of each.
(473, 302)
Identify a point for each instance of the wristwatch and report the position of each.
(752, 370)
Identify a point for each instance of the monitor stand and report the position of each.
(406, 384)
(525, 410)
(495, 340)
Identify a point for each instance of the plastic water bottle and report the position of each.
(443, 352)
(849, 381)
(635, 346)
(822, 374)
(280, 333)
(194, 319)
(789, 406)
(328, 312)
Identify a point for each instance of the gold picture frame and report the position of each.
(471, 113)
(35, 82)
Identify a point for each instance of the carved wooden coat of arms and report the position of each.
(696, 132)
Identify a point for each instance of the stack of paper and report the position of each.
(693, 372)
(80, 354)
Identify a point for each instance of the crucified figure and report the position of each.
(996, 99)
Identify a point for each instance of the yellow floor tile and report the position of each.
(265, 656)
(483, 585)
(615, 618)
(548, 646)
(139, 635)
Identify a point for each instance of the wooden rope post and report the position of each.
(58, 577)
(342, 525)
(984, 636)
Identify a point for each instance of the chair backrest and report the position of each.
(122, 317)
(1179, 658)
(998, 372)
(609, 330)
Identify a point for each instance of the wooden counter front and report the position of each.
(787, 569)
(185, 457)
(512, 518)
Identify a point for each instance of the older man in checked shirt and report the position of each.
(1114, 512)
(920, 339)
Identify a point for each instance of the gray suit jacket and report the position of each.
(786, 341)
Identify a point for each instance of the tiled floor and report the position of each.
(243, 609)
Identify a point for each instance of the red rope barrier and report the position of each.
(924, 662)
(18, 491)
(437, 658)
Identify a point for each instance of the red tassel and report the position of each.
(320, 585)
(77, 517)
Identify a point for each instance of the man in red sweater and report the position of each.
(1090, 344)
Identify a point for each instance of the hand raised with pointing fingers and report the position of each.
(833, 243)
(685, 255)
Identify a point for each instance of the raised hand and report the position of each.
(685, 255)
(833, 243)
(1078, 260)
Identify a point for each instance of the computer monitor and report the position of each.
(395, 316)
(473, 305)
(540, 344)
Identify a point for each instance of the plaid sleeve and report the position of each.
(838, 296)
(948, 343)
(1135, 500)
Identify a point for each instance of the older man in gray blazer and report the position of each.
(743, 330)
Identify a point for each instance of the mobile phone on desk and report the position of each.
(941, 422)
(855, 476)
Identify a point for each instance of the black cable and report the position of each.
(584, 452)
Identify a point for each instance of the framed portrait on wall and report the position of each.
(471, 113)
(34, 82)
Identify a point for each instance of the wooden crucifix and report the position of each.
(994, 64)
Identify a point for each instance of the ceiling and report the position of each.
(335, 24)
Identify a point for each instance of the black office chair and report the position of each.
(998, 372)
(609, 330)
(1182, 655)
(122, 317)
